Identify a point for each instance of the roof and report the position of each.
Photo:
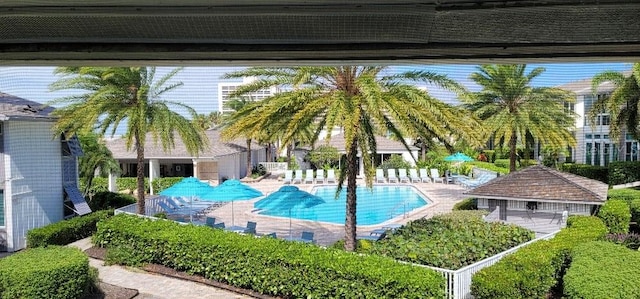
(383, 144)
(217, 148)
(583, 87)
(543, 183)
(13, 107)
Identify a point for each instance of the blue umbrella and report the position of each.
(288, 198)
(188, 187)
(231, 190)
(458, 157)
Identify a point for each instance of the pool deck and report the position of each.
(442, 197)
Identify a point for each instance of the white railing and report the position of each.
(274, 167)
(151, 207)
(458, 282)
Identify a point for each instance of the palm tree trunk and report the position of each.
(512, 154)
(249, 168)
(350, 221)
(140, 174)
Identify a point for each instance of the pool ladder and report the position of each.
(404, 211)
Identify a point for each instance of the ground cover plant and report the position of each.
(266, 265)
(450, 241)
(536, 270)
(602, 270)
(66, 231)
(51, 272)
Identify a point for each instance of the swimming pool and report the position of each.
(374, 206)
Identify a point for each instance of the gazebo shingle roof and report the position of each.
(543, 183)
(217, 148)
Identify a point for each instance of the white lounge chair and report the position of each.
(288, 176)
(331, 176)
(298, 177)
(402, 175)
(391, 175)
(320, 176)
(380, 176)
(424, 176)
(413, 175)
(435, 176)
(308, 178)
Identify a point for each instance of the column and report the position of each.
(113, 186)
(154, 172)
(195, 168)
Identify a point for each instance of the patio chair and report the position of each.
(413, 175)
(271, 235)
(210, 221)
(380, 176)
(219, 225)
(288, 177)
(320, 176)
(435, 175)
(307, 237)
(308, 178)
(298, 176)
(402, 175)
(448, 179)
(331, 176)
(251, 228)
(424, 176)
(391, 175)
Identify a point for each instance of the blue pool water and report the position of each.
(374, 206)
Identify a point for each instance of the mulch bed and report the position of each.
(99, 253)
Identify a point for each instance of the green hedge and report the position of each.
(466, 204)
(489, 166)
(632, 197)
(616, 215)
(266, 265)
(533, 271)
(106, 200)
(129, 183)
(621, 172)
(451, 241)
(51, 272)
(600, 173)
(603, 270)
(66, 231)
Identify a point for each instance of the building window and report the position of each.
(589, 136)
(596, 136)
(1, 207)
(631, 153)
(589, 147)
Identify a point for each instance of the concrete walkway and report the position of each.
(153, 286)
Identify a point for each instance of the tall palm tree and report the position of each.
(512, 109)
(237, 104)
(361, 101)
(624, 102)
(125, 95)
(208, 121)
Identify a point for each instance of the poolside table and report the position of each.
(297, 239)
(236, 229)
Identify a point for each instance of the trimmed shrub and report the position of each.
(600, 173)
(395, 162)
(450, 241)
(603, 270)
(502, 163)
(109, 200)
(535, 270)
(266, 265)
(489, 166)
(466, 204)
(66, 231)
(51, 272)
(616, 215)
(622, 172)
(626, 194)
(159, 184)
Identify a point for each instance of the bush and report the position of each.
(266, 265)
(535, 270)
(52, 272)
(395, 162)
(626, 194)
(159, 184)
(603, 270)
(66, 231)
(502, 163)
(324, 157)
(489, 166)
(600, 173)
(491, 155)
(631, 241)
(466, 204)
(438, 241)
(622, 172)
(108, 201)
(616, 215)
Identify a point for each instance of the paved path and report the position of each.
(153, 286)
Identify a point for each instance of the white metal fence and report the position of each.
(458, 282)
(274, 167)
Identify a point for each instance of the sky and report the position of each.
(200, 87)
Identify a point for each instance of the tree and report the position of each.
(358, 99)
(237, 104)
(512, 109)
(97, 157)
(324, 156)
(623, 104)
(208, 121)
(125, 95)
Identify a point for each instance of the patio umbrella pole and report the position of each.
(290, 231)
(191, 210)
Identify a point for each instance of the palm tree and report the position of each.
(208, 121)
(97, 157)
(129, 95)
(624, 102)
(361, 101)
(237, 104)
(512, 109)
